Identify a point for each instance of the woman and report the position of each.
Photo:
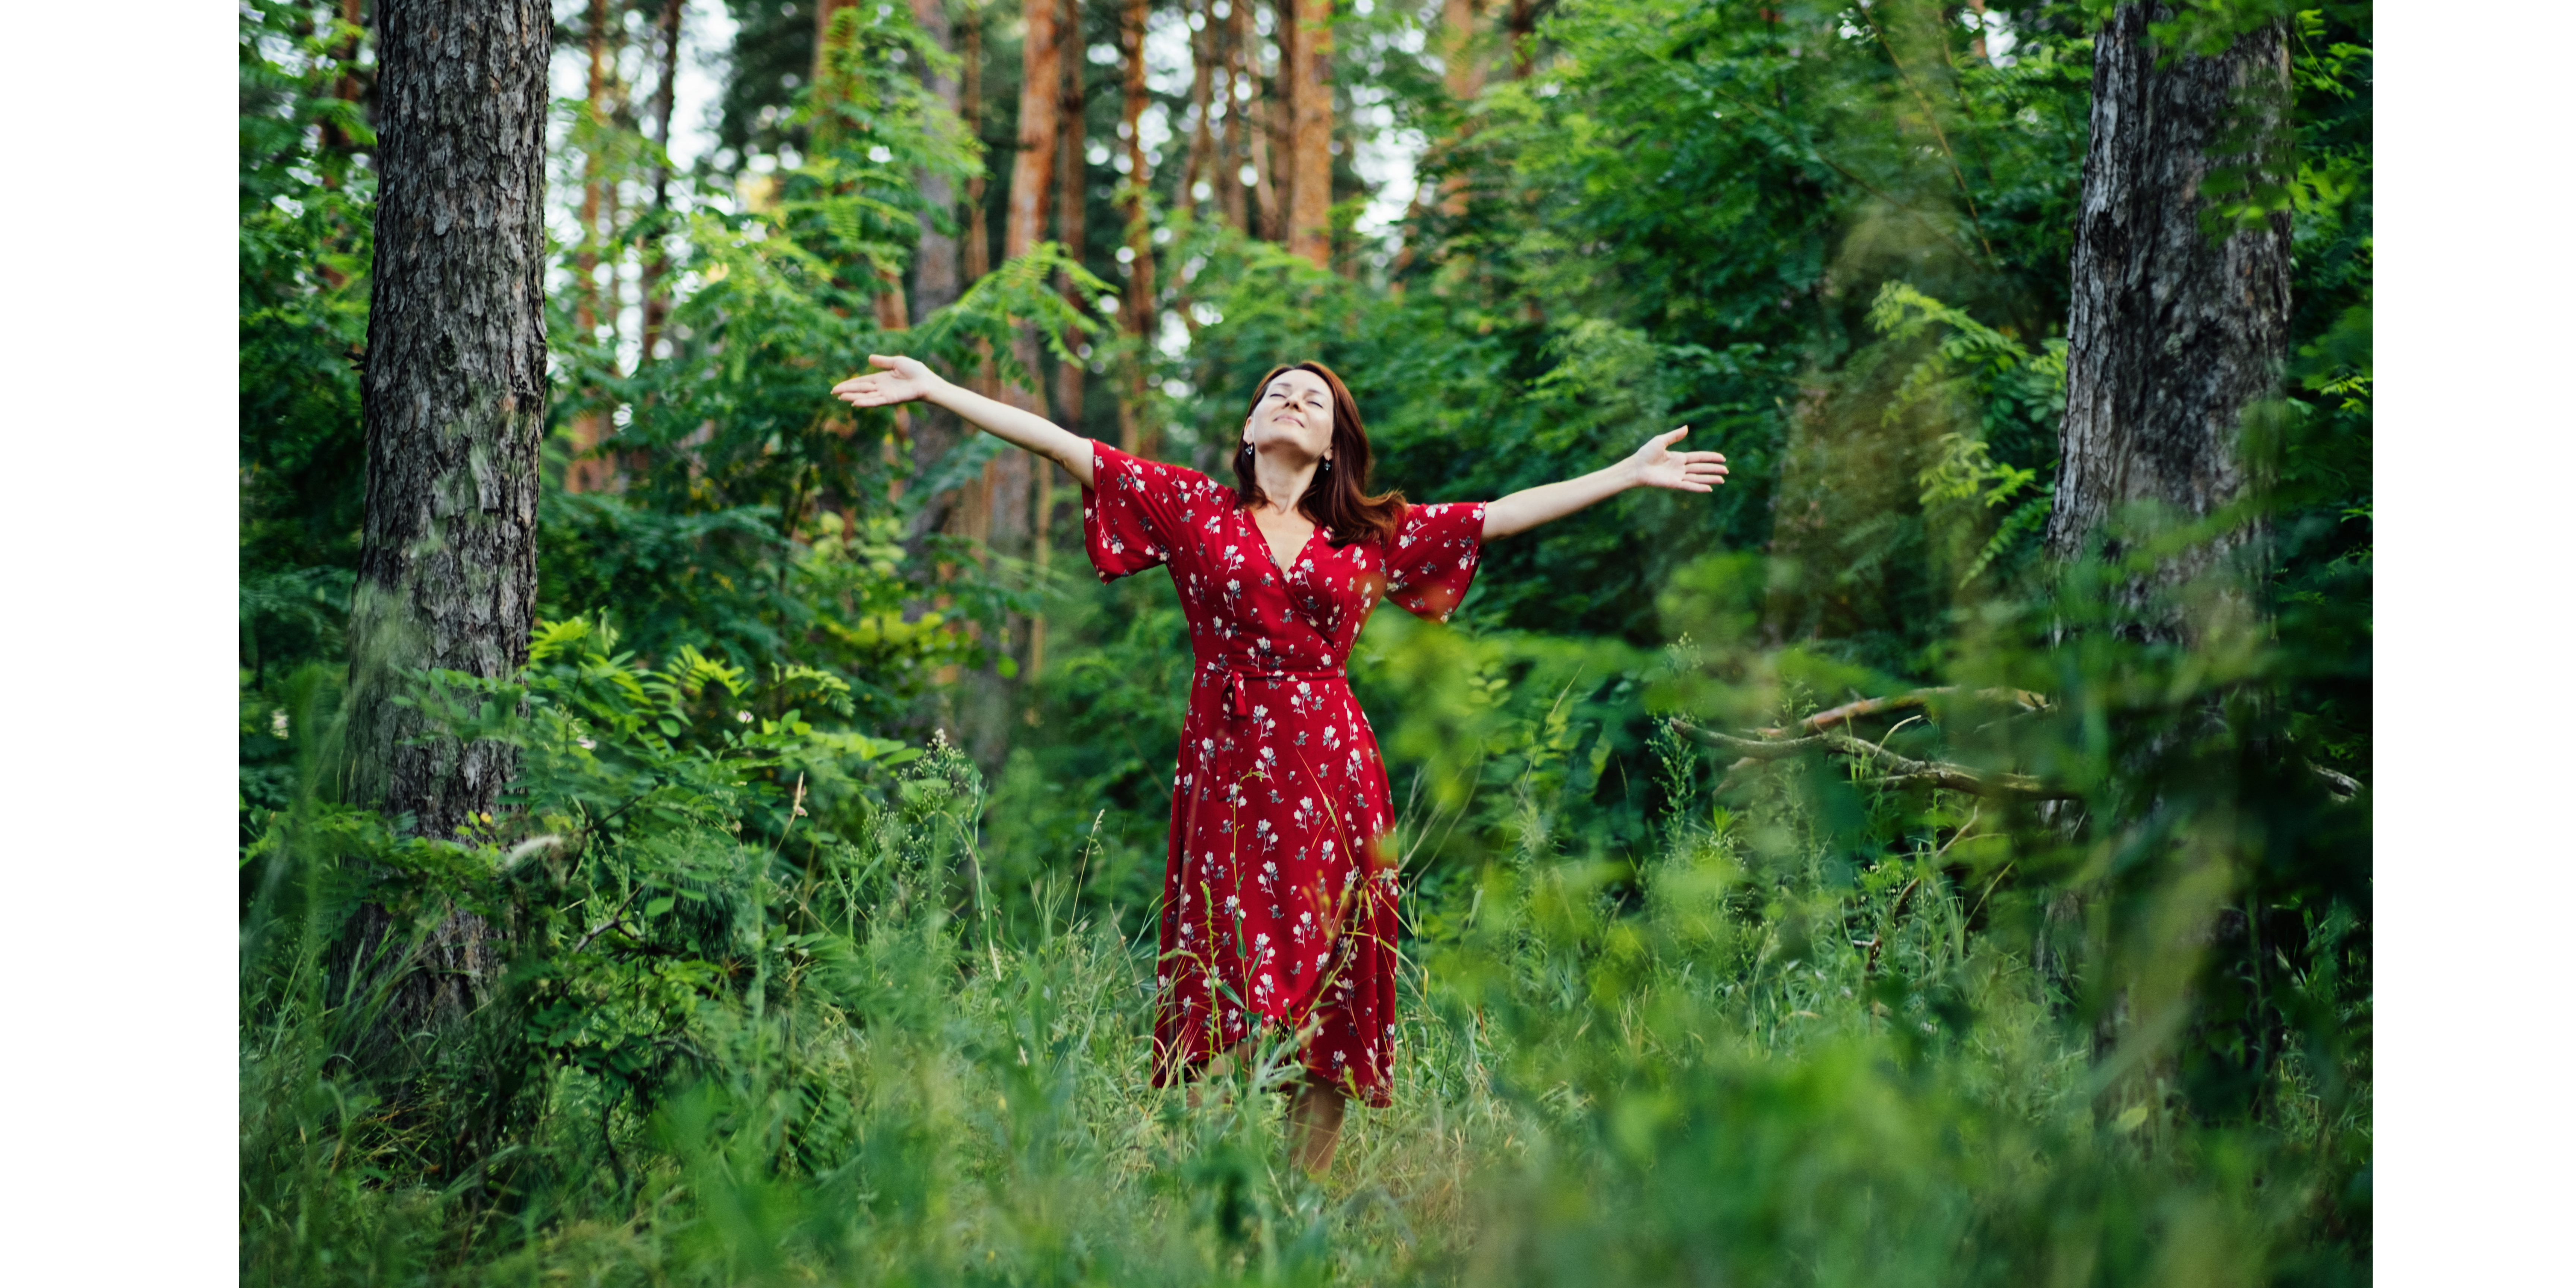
(1278, 900)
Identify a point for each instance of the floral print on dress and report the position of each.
(1278, 893)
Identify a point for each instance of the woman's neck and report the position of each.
(1274, 482)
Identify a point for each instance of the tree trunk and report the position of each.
(586, 473)
(1310, 211)
(1270, 126)
(1233, 150)
(824, 10)
(1072, 187)
(1032, 191)
(1137, 313)
(1203, 55)
(1523, 26)
(969, 512)
(454, 400)
(1463, 73)
(2174, 332)
(657, 264)
(935, 282)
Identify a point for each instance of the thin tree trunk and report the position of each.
(935, 283)
(1524, 36)
(1032, 190)
(824, 11)
(983, 710)
(1269, 127)
(1310, 73)
(1137, 312)
(586, 473)
(1203, 42)
(453, 401)
(977, 253)
(657, 263)
(1072, 187)
(970, 512)
(1463, 73)
(2174, 333)
(348, 88)
(1233, 153)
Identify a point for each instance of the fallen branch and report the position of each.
(1901, 770)
(1850, 711)
(2341, 786)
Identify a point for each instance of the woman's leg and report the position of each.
(1315, 1125)
(1219, 1067)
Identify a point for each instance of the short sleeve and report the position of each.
(1136, 511)
(1432, 557)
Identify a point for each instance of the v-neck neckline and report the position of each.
(1271, 552)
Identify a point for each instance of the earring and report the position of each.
(1328, 465)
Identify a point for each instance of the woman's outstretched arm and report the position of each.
(1653, 465)
(907, 379)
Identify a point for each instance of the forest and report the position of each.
(694, 831)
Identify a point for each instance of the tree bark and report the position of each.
(1306, 69)
(1233, 148)
(657, 264)
(1072, 187)
(1203, 57)
(935, 280)
(586, 473)
(1462, 72)
(977, 256)
(1032, 191)
(1137, 311)
(824, 11)
(1270, 125)
(2174, 332)
(1523, 25)
(454, 400)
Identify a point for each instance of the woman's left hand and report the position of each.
(1657, 465)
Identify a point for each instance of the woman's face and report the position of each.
(1293, 422)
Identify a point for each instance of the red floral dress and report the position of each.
(1278, 900)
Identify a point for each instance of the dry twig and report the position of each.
(1901, 770)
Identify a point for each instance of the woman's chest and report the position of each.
(1231, 566)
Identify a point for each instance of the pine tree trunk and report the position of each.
(1270, 126)
(1072, 188)
(1032, 192)
(454, 400)
(1463, 74)
(1203, 47)
(585, 473)
(657, 263)
(2174, 332)
(1234, 148)
(935, 281)
(1310, 209)
(1137, 313)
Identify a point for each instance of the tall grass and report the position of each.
(739, 1045)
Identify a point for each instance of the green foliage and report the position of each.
(1794, 1037)
(791, 992)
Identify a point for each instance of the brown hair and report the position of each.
(1336, 499)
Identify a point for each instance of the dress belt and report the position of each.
(1238, 704)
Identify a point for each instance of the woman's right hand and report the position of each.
(903, 380)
